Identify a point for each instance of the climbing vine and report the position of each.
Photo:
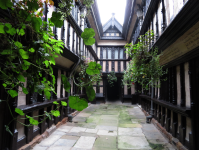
(27, 52)
(144, 68)
(111, 78)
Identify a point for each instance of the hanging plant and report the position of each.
(144, 68)
(111, 78)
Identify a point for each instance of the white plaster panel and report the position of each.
(35, 113)
(104, 66)
(59, 33)
(66, 31)
(101, 89)
(59, 84)
(98, 52)
(133, 89)
(21, 95)
(160, 18)
(71, 38)
(121, 66)
(178, 85)
(109, 66)
(125, 90)
(116, 66)
(20, 127)
(64, 94)
(187, 85)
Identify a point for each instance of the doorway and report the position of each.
(114, 92)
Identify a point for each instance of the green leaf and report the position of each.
(5, 85)
(47, 93)
(55, 113)
(7, 52)
(21, 78)
(33, 121)
(26, 65)
(32, 50)
(89, 41)
(18, 44)
(32, 5)
(23, 54)
(4, 4)
(25, 91)
(55, 102)
(56, 16)
(2, 29)
(63, 103)
(90, 72)
(92, 65)
(36, 23)
(19, 111)
(99, 66)
(48, 115)
(45, 36)
(21, 32)
(76, 103)
(8, 130)
(90, 93)
(67, 85)
(88, 32)
(88, 35)
(13, 93)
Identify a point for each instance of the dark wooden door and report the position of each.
(113, 93)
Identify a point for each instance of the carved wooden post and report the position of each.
(174, 86)
(182, 84)
(182, 130)
(193, 138)
(28, 129)
(175, 124)
(163, 117)
(168, 120)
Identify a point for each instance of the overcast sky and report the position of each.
(107, 7)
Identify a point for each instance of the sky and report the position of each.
(107, 7)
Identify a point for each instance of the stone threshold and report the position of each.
(172, 140)
(47, 133)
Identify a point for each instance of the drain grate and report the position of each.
(110, 131)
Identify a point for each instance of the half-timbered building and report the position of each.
(176, 27)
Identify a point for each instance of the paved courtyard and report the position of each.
(106, 127)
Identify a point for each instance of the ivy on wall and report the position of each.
(28, 51)
(144, 67)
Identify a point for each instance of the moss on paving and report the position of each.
(156, 146)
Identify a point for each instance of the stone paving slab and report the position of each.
(129, 142)
(59, 148)
(106, 132)
(65, 142)
(69, 137)
(91, 130)
(130, 125)
(50, 140)
(106, 127)
(78, 129)
(85, 142)
(101, 127)
(106, 142)
(38, 147)
(130, 131)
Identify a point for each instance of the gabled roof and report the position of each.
(111, 23)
